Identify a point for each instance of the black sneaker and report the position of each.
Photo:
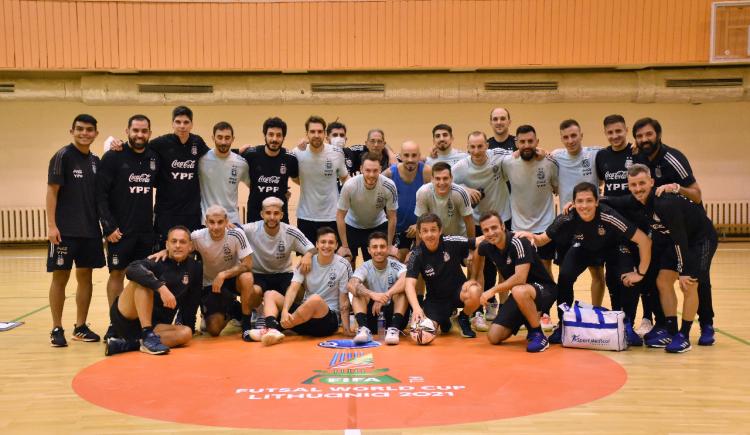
(110, 333)
(83, 333)
(465, 324)
(152, 345)
(57, 338)
(115, 345)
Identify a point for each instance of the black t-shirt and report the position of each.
(669, 166)
(125, 190)
(612, 168)
(441, 269)
(517, 251)
(75, 173)
(269, 176)
(353, 158)
(605, 231)
(178, 188)
(508, 144)
(184, 280)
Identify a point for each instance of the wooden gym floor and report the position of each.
(706, 390)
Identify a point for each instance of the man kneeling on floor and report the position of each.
(325, 294)
(531, 287)
(142, 315)
(378, 287)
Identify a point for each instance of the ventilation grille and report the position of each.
(7, 87)
(520, 86)
(704, 83)
(347, 87)
(176, 89)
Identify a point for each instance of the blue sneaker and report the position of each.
(152, 345)
(657, 337)
(633, 338)
(707, 336)
(679, 344)
(556, 337)
(538, 343)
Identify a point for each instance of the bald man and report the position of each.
(409, 176)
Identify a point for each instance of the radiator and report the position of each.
(731, 218)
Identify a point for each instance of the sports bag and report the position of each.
(588, 327)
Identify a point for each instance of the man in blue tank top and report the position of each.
(409, 176)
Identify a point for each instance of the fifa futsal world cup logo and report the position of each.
(346, 368)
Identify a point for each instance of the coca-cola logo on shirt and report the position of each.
(187, 164)
(273, 179)
(139, 178)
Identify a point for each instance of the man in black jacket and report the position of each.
(142, 315)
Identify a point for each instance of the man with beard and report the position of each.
(442, 142)
(684, 244)
(671, 172)
(125, 200)
(178, 199)
(271, 167)
(533, 180)
(320, 165)
(408, 176)
(447, 200)
(220, 172)
(361, 208)
(501, 137)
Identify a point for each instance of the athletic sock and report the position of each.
(272, 323)
(146, 330)
(361, 319)
(685, 329)
(246, 324)
(671, 324)
(398, 321)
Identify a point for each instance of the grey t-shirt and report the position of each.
(451, 158)
(273, 254)
(378, 280)
(451, 209)
(532, 200)
(575, 169)
(220, 255)
(318, 175)
(490, 178)
(219, 180)
(365, 206)
(327, 281)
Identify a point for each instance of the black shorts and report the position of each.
(511, 317)
(441, 310)
(310, 229)
(164, 222)
(219, 303)
(273, 281)
(701, 253)
(546, 252)
(372, 320)
(320, 327)
(124, 328)
(358, 238)
(402, 241)
(131, 247)
(86, 252)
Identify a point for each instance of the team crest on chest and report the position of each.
(186, 279)
(601, 230)
(93, 166)
(628, 162)
(282, 169)
(194, 150)
(657, 171)
(152, 164)
(446, 257)
(540, 174)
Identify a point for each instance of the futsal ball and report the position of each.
(423, 332)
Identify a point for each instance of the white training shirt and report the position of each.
(327, 281)
(451, 209)
(318, 175)
(490, 178)
(451, 158)
(365, 206)
(219, 180)
(532, 201)
(575, 169)
(220, 255)
(273, 254)
(378, 280)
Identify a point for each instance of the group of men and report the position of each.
(415, 221)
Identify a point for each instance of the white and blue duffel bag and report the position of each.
(588, 327)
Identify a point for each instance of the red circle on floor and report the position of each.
(298, 385)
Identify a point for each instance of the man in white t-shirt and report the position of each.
(443, 151)
(448, 201)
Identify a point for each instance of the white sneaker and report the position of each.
(546, 323)
(479, 324)
(645, 327)
(271, 337)
(256, 334)
(363, 335)
(392, 335)
(490, 312)
(203, 324)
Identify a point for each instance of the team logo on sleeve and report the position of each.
(282, 169)
(186, 279)
(194, 150)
